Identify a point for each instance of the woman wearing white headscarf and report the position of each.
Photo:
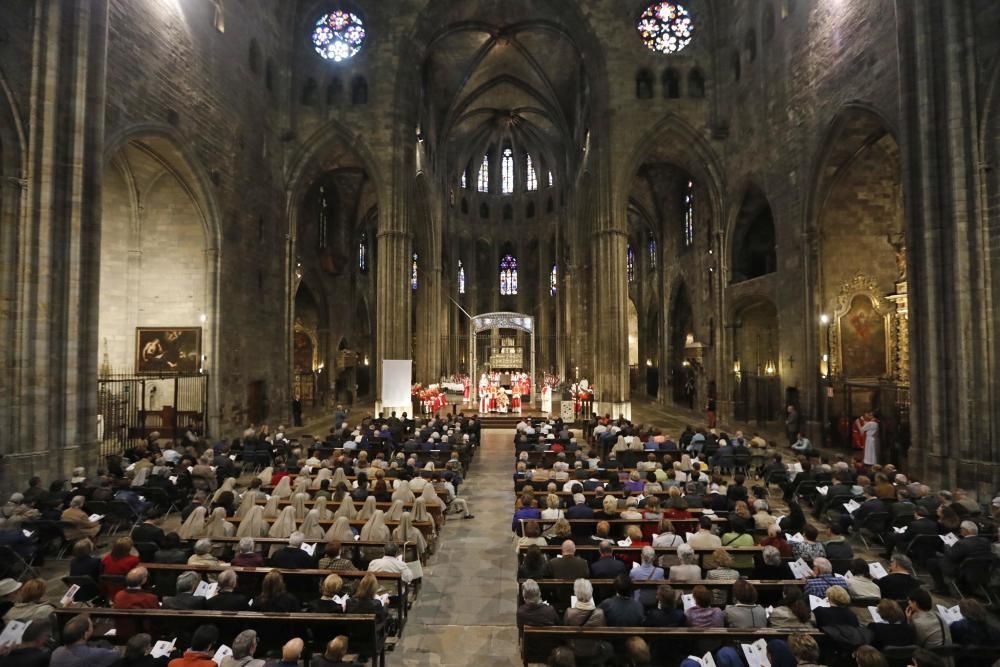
(285, 524)
(374, 531)
(253, 524)
(302, 483)
(265, 475)
(283, 489)
(432, 499)
(217, 526)
(346, 509)
(299, 503)
(193, 526)
(228, 485)
(320, 507)
(417, 485)
(324, 473)
(405, 532)
(340, 531)
(395, 512)
(367, 510)
(404, 493)
(310, 527)
(271, 508)
(420, 514)
(339, 477)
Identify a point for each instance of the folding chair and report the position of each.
(876, 524)
(13, 563)
(974, 576)
(89, 590)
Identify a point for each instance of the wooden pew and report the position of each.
(434, 510)
(268, 488)
(590, 552)
(303, 583)
(538, 642)
(366, 635)
(589, 526)
(263, 544)
(561, 589)
(425, 527)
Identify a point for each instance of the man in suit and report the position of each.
(187, 582)
(292, 557)
(946, 566)
(227, 599)
(149, 530)
(567, 566)
(900, 581)
(607, 566)
(579, 510)
(923, 524)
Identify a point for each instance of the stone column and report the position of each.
(953, 418)
(55, 311)
(393, 296)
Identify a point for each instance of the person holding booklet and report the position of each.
(930, 629)
(946, 567)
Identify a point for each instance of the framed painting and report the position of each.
(167, 350)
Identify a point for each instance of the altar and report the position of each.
(506, 343)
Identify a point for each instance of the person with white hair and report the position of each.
(390, 562)
(247, 554)
(647, 570)
(822, 579)
(292, 556)
(689, 569)
(585, 614)
(185, 598)
(82, 526)
(945, 568)
(244, 646)
(533, 612)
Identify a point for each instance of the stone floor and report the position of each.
(465, 612)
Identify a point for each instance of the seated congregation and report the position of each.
(637, 549)
(180, 553)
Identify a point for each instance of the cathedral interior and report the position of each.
(220, 207)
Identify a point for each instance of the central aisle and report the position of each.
(465, 613)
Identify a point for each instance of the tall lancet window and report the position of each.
(507, 172)
(554, 280)
(413, 272)
(508, 276)
(689, 215)
(652, 254)
(484, 175)
(461, 278)
(363, 253)
(532, 178)
(463, 181)
(630, 263)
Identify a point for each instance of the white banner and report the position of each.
(396, 375)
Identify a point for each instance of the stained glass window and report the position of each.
(532, 178)
(413, 272)
(652, 254)
(689, 215)
(553, 280)
(461, 278)
(484, 175)
(324, 218)
(507, 172)
(338, 35)
(630, 263)
(665, 27)
(508, 276)
(363, 253)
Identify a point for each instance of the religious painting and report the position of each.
(303, 352)
(863, 340)
(161, 350)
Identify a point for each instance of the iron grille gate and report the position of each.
(757, 398)
(130, 407)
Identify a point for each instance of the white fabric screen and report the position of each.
(396, 374)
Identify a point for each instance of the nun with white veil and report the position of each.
(395, 511)
(374, 530)
(405, 532)
(340, 531)
(417, 485)
(404, 493)
(421, 515)
(266, 474)
(249, 502)
(339, 477)
(432, 499)
(283, 489)
(228, 485)
(302, 483)
(346, 509)
(367, 510)
(253, 524)
(271, 508)
(310, 526)
(320, 507)
(283, 526)
(193, 526)
(324, 473)
(217, 526)
(299, 503)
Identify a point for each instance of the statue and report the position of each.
(898, 243)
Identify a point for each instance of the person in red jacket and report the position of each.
(133, 597)
(201, 650)
(118, 562)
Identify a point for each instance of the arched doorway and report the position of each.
(753, 240)
(157, 312)
(863, 345)
(310, 370)
(756, 349)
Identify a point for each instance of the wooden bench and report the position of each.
(590, 552)
(365, 633)
(263, 544)
(425, 527)
(561, 589)
(649, 526)
(268, 488)
(434, 510)
(303, 583)
(538, 642)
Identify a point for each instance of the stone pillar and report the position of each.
(542, 313)
(55, 311)
(428, 334)
(953, 418)
(393, 296)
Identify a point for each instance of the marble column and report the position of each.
(393, 296)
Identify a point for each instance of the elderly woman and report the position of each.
(405, 532)
(721, 570)
(194, 524)
(646, 570)
(82, 525)
(667, 537)
(217, 526)
(703, 614)
(532, 536)
(688, 570)
(311, 528)
(558, 532)
(31, 604)
(585, 614)
(809, 549)
(253, 524)
(246, 555)
(773, 566)
(745, 613)
(839, 611)
(118, 562)
(203, 555)
(329, 588)
(762, 517)
(552, 509)
(534, 612)
(631, 512)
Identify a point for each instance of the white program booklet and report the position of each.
(309, 548)
(800, 570)
(815, 602)
(163, 648)
(220, 655)
(688, 600)
(207, 590)
(756, 654)
(705, 661)
(949, 614)
(12, 632)
(94, 518)
(876, 617)
(877, 570)
(950, 539)
(69, 596)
